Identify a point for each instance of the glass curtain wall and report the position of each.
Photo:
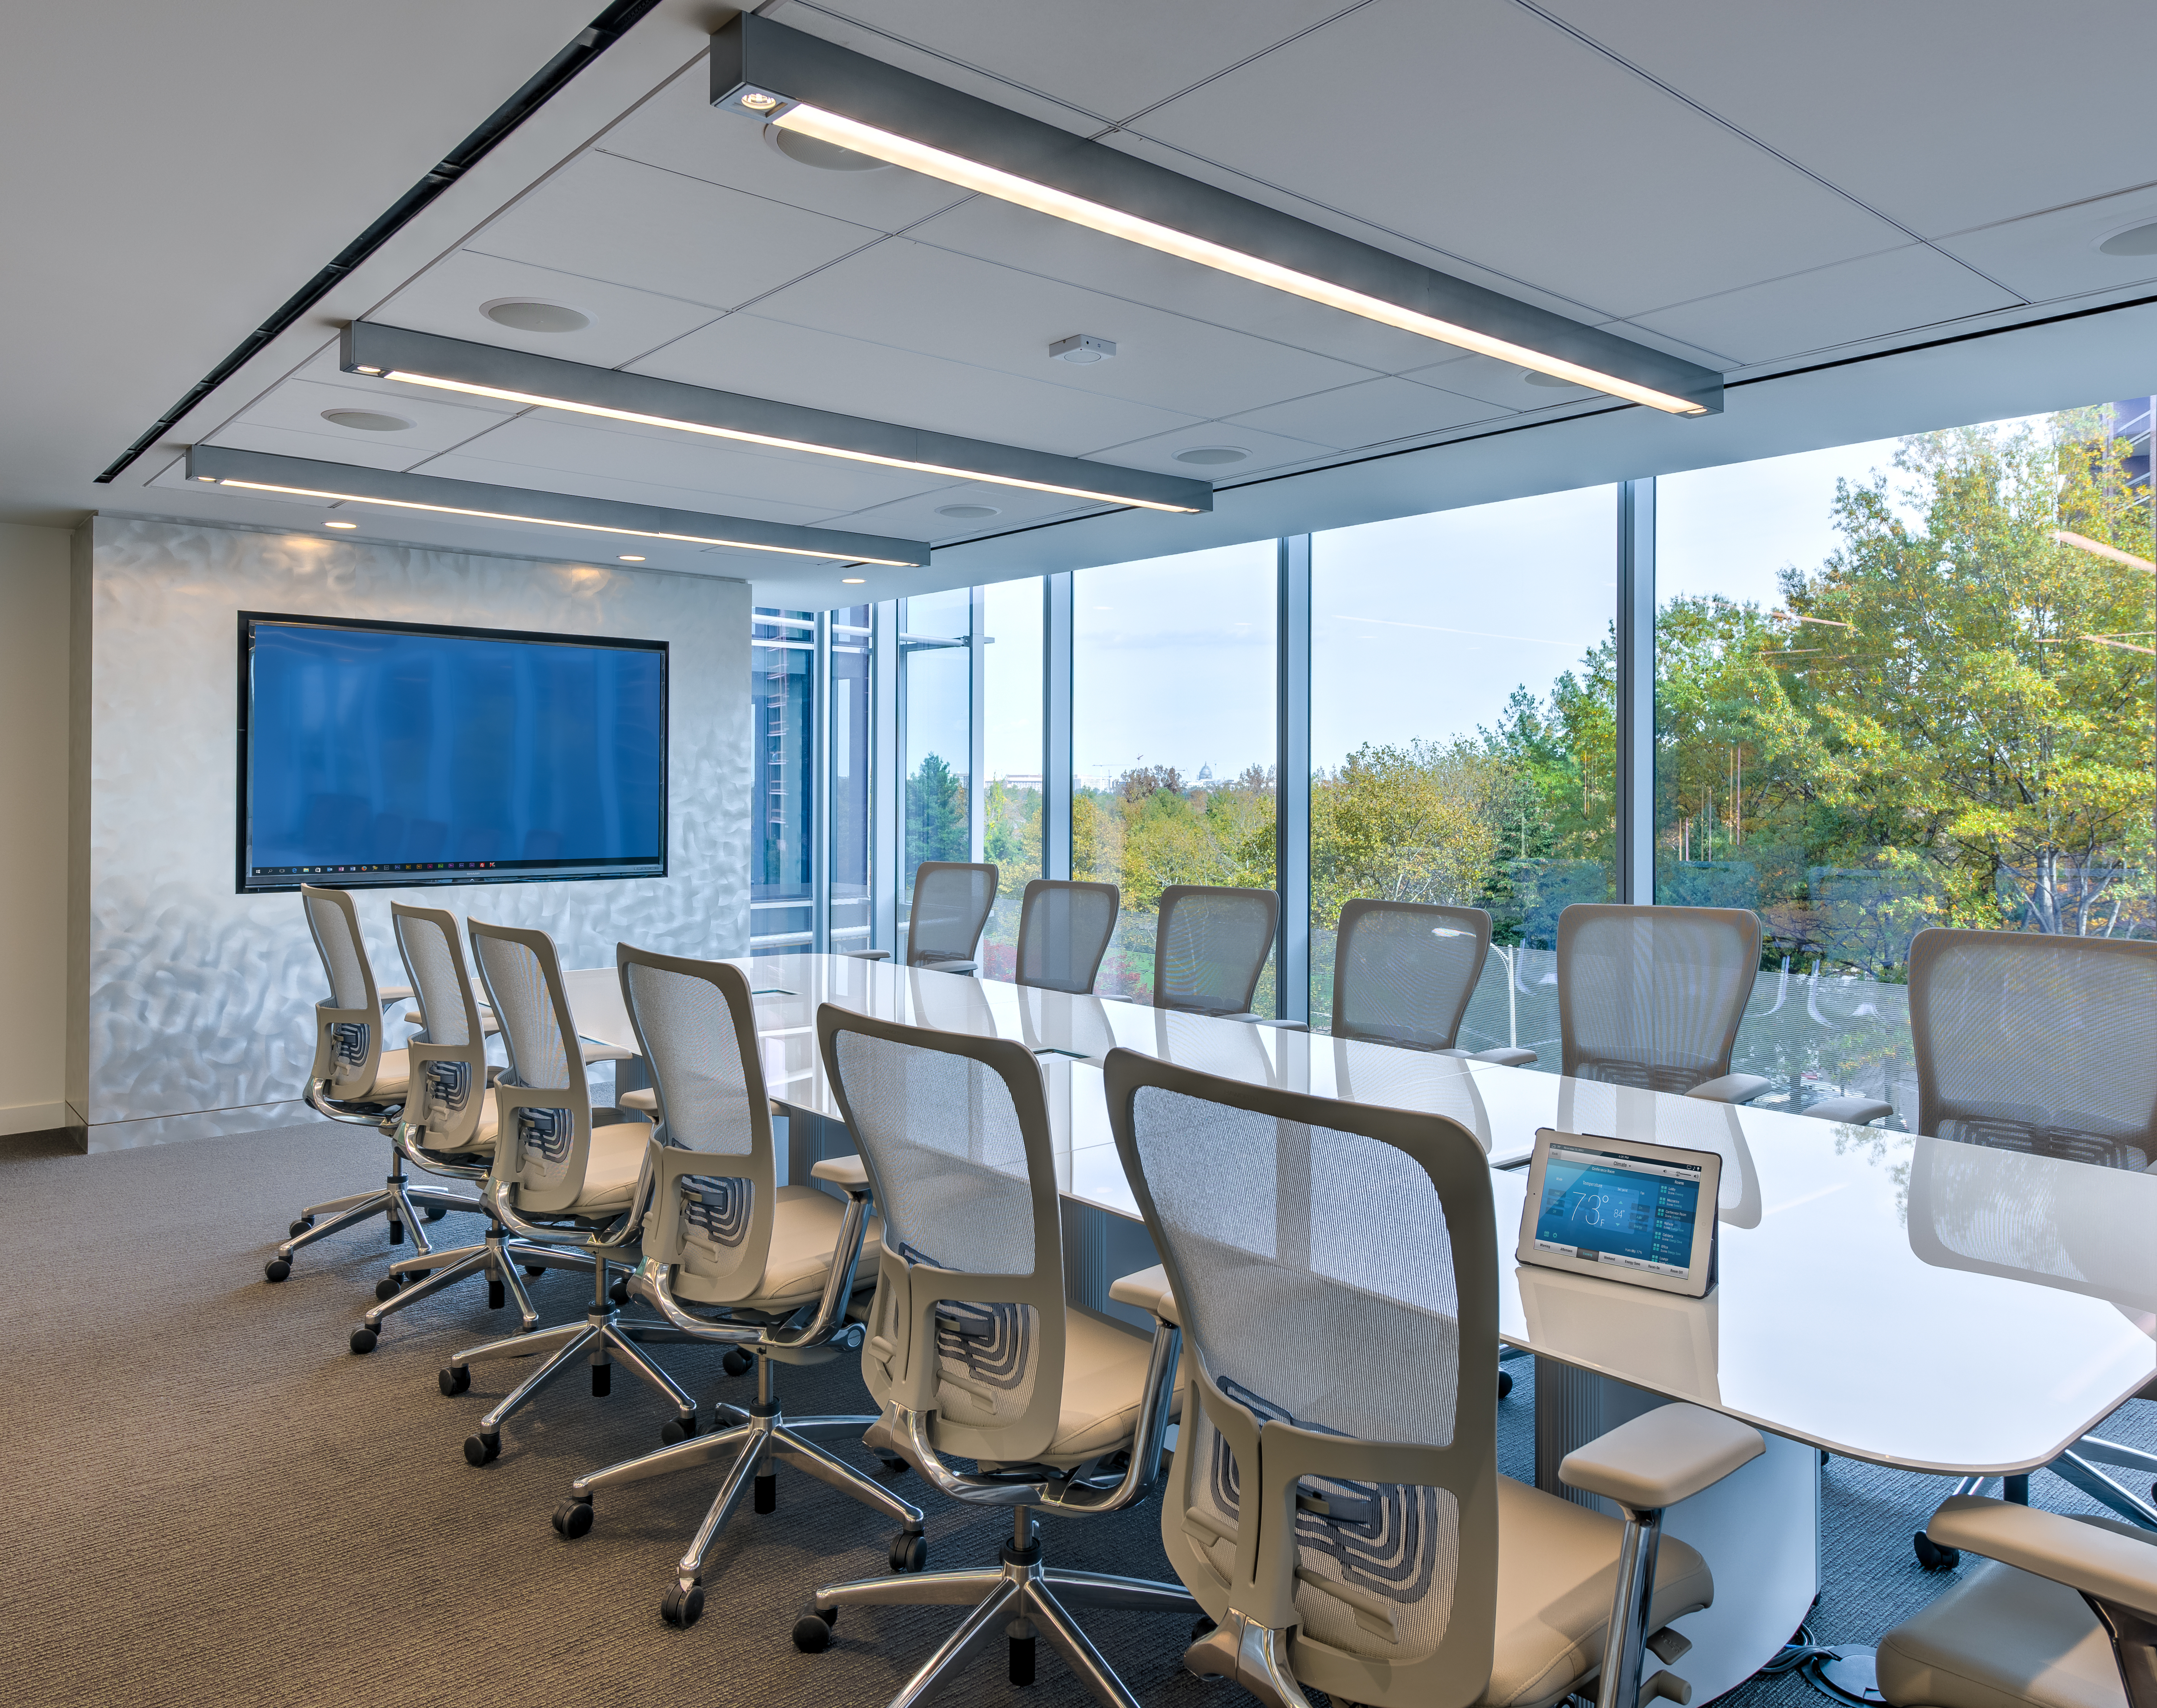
(935, 733)
(852, 910)
(782, 714)
(1174, 731)
(1899, 685)
(1463, 734)
(1012, 758)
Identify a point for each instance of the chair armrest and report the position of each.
(644, 1101)
(594, 1052)
(1148, 1291)
(1662, 1456)
(1731, 1088)
(1508, 1056)
(2099, 1563)
(947, 966)
(1277, 1025)
(848, 1171)
(1852, 1111)
(387, 994)
(868, 954)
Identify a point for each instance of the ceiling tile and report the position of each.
(915, 518)
(1267, 450)
(328, 443)
(2047, 255)
(619, 221)
(1481, 129)
(1899, 292)
(1375, 411)
(299, 406)
(1943, 114)
(1495, 382)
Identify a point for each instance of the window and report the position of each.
(1012, 759)
(1463, 734)
(936, 732)
(1173, 725)
(1898, 684)
(853, 912)
(782, 716)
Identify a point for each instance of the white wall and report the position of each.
(193, 1011)
(33, 785)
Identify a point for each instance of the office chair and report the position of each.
(354, 1080)
(1335, 1503)
(1652, 996)
(950, 910)
(2063, 1614)
(779, 1263)
(2017, 1039)
(1064, 931)
(448, 1128)
(563, 1174)
(1403, 972)
(1210, 947)
(972, 1353)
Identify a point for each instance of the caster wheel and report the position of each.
(435, 1213)
(454, 1379)
(364, 1340)
(300, 1226)
(387, 1288)
(1202, 1627)
(737, 1362)
(677, 1429)
(891, 1463)
(812, 1631)
(1933, 1556)
(909, 1552)
(533, 1272)
(480, 1449)
(1505, 1383)
(276, 1269)
(619, 1293)
(573, 1518)
(681, 1608)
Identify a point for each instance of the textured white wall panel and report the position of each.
(199, 1000)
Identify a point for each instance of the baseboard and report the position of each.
(32, 1118)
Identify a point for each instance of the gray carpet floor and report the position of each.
(215, 1502)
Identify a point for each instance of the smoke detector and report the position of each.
(1082, 347)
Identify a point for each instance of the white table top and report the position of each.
(1909, 1301)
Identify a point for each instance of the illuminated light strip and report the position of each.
(2100, 549)
(1061, 204)
(536, 401)
(641, 533)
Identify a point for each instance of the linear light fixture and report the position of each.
(768, 72)
(549, 383)
(302, 477)
(2098, 548)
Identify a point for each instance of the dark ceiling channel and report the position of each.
(594, 39)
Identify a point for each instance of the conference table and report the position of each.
(1907, 1301)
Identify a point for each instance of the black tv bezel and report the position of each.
(358, 880)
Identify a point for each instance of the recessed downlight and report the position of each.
(1548, 379)
(814, 151)
(366, 420)
(1212, 455)
(2135, 240)
(340, 525)
(968, 512)
(632, 557)
(529, 314)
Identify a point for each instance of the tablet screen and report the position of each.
(1600, 1206)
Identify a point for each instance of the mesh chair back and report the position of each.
(543, 1105)
(1652, 996)
(968, 1318)
(1211, 946)
(696, 1026)
(348, 1026)
(1336, 1268)
(1402, 972)
(2036, 1043)
(448, 1060)
(1064, 931)
(951, 903)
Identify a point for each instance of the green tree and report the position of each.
(936, 827)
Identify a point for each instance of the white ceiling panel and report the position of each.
(1943, 114)
(1478, 128)
(583, 482)
(1369, 413)
(915, 518)
(2053, 255)
(1267, 450)
(1905, 288)
(1110, 57)
(629, 224)
(365, 450)
(299, 405)
(625, 323)
(1495, 382)
(860, 376)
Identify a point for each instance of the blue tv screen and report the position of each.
(382, 754)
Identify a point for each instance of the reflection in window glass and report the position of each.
(852, 919)
(1010, 716)
(782, 714)
(1900, 685)
(1464, 748)
(935, 733)
(1173, 737)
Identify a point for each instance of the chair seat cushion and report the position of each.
(393, 1074)
(805, 1231)
(611, 1169)
(1104, 1379)
(1557, 1569)
(2003, 1639)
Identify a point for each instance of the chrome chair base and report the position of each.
(1020, 1598)
(398, 1198)
(1251, 1655)
(763, 1434)
(498, 1258)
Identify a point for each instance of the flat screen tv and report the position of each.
(389, 753)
